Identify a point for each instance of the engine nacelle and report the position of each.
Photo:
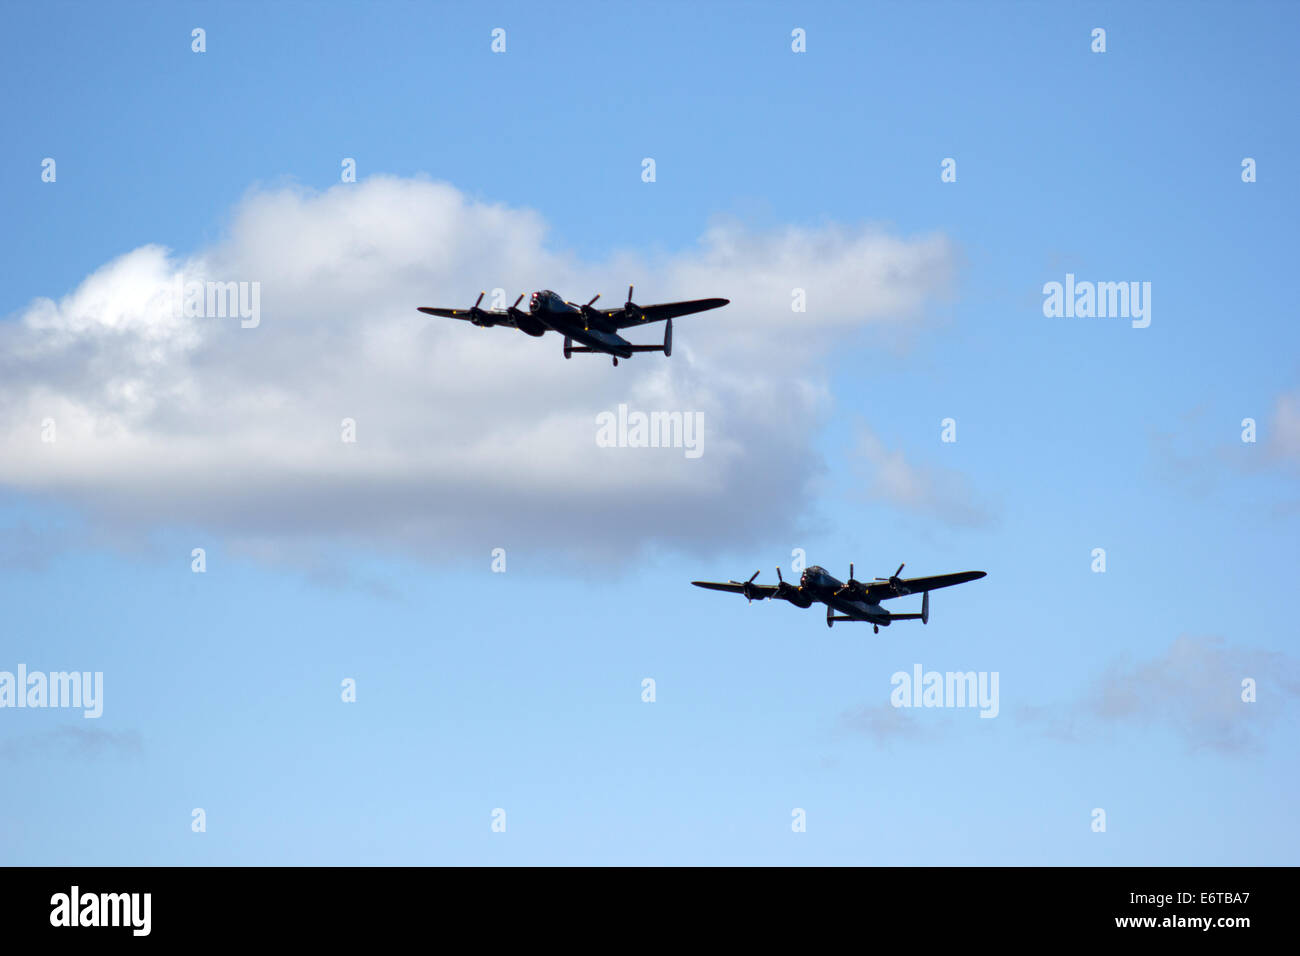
(526, 324)
(788, 592)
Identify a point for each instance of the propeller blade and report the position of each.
(752, 576)
(778, 576)
(518, 300)
(593, 299)
(850, 570)
(900, 570)
(479, 299)
(631, 310)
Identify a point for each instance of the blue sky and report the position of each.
(522, 690)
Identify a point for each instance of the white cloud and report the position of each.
(467, 437)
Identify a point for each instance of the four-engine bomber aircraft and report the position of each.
(596, 330)
(854, 600)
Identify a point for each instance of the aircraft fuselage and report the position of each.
(570, 321)
(828, 589)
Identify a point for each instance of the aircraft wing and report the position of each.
(620, 319)
(759, 591)
(498, 318)
(883, 590)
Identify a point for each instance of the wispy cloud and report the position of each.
(73, 740)
(927, 490)
(1283, 440)
(884, 724)
(1193, 690)
(1204, 451)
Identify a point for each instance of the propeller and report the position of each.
(514, 311)
(477, 315)
(631, 310)
(788, 592)
(850, 585)
(783, 590)
(526, 322)
(745, 586)
(895, 581)
(588, 313)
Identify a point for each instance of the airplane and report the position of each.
(596, 330)
(854, 600)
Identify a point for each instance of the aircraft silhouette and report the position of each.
(596, 330)
(854, 600)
